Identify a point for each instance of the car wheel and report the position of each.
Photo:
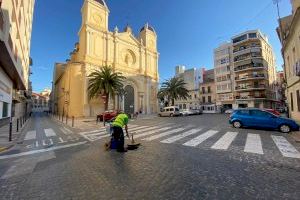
(237, 124)
(159, 115)
(171, 115)
(284, 128)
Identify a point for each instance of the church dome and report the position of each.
(147, 26)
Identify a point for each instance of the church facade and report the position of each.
(135, 57)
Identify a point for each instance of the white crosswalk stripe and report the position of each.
(201, 138)
(286, 149)
(163, 134)
(30, 135)
(253, 144)
(224, 142)
(49, 132)
(150, 132)
(138, 128)
(181, 136)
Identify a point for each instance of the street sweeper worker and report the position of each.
(118, 124)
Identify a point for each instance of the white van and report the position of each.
(169, 111)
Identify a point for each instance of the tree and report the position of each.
(173, 89)
(105, 82)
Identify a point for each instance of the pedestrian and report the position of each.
(118, 124)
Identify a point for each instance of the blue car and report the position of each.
(257, 118)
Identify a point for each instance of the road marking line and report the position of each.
(181, 136)
(51, 142)
(163, 134)
(286, 148)
(30, 135)
(146, 129)
(253, 144)
(201, 138)
(68, 130)
(61, 140)
(95, 131)
(44, 143)
(49, 132)
(150, 132)
(41, 150)
(138, 128)
(62, 130)
(225, 141)
(36, 144)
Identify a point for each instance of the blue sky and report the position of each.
(188, 31)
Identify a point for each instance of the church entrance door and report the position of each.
(129, 100)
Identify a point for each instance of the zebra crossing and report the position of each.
(196, 137)
(48, 137)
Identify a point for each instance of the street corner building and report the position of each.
(15, 35)
(135, 57)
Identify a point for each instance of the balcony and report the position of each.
(253, 66)
(248, 56)
(250, 88)
(250, 97)
(250, 77)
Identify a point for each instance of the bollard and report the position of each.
(72, 121)
(103, 119)
(21, 122)
(10, 131)
(17, 125)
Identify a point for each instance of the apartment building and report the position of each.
(207, 92)
(223, 70)
(289, 34)
(192, 77)
(254, 70)
(15, 37)
(245, 72)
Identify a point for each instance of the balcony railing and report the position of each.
(250, 76)
(249, 97)
(243, 48)
(249, 67)
(247, 56)
(250, 87)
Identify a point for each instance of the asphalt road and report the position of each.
(195, 157)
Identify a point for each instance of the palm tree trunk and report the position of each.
(106, 101)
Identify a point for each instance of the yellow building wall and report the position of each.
(135, 57)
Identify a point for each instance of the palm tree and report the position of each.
(105, 82)
(173, 89)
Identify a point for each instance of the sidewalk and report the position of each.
(4, 135)
(90, 123)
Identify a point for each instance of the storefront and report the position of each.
(5, 97)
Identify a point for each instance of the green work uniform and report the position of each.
(120, 121)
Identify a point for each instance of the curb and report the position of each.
(296, 137)
(3, 149)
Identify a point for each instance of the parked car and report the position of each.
(108, 115)
(196, 111)
(229, 111)
(257, 118)
(169, 112)
(275, 112)
(186, 112)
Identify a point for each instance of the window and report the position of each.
(252, 35)
(259, 113)
(203, 99)
(203, 90)
(171, 109)
(176, 109)
(5, 110)
(292, 102)
(298, 100)
(243, 112)
(241, 38)
(208, 89)
(209, 99)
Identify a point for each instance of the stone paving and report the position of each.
(155, 170)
